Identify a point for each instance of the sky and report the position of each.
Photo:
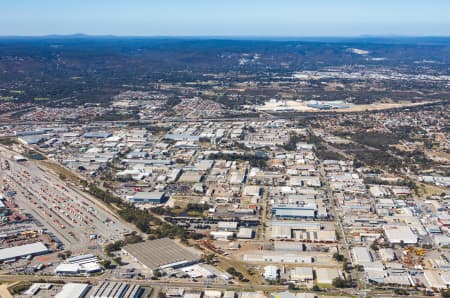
(226, 17)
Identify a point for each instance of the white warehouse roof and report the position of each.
(73, 290)
(23, 251)
(326, 275)
(398, 233)
(361, 255)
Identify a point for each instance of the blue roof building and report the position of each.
(154, 197)
(97, 135)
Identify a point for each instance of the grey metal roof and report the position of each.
(160, 252)
(23, 250)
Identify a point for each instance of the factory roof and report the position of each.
(23, 250)
(31, 139)
(145, 195)
(73, 290)
(326, 275)
(232, 225)
(190, 177)
(294, 213)
(245, 233)
(159, 253)
(361, 255)
(301, 273)
(399, 233)
(297, 225)
(97, 135)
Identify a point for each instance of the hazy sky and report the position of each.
(226, 17)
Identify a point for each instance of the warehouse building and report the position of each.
(298, 230)
(278, 257)
(271, 272)
(190, 177)
(78, 269)
(161, 254)
(245, 233)
(116, 289)
(326, 275)
(13, 253)
(294, 212)
(434, 280)
(301, 274)
(223, 235)
(361, 255)
(227, 225)
(31, 140)
(154, 197)
(73, 290)
(396, 234)
(97, 135)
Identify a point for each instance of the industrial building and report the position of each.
(271, 272)
(190, 177)
(97, 135)
(397, 234)
(301, 274)
(13, 253)
(227, 225)
(361, 255)
(161, 254)
(73, 290)
(302, 231)
(326, 275)
(116, 290)
(245, 233)
(31, 140)
(434, 280)
(36, 287)
(293, 211)
(277, 257)
(154, 197)
(81, 264)
(77, 269)
(224, 235)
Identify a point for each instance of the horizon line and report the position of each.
(245, 36)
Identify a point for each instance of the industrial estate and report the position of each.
(316, 181)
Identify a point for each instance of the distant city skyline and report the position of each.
(286, 18)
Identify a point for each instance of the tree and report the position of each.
(113, 246)
(402, 292)
(157, 274)
(208, 258)
(106, 264)
(339, 282)
(236, 273)
(374, 246)
(292, 287)
(445, 293)
(338, 257)
(117, 260)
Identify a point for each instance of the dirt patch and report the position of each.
(60, 171)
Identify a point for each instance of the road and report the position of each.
(159, 285)
(146, 283)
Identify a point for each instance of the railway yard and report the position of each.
(43, 206)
